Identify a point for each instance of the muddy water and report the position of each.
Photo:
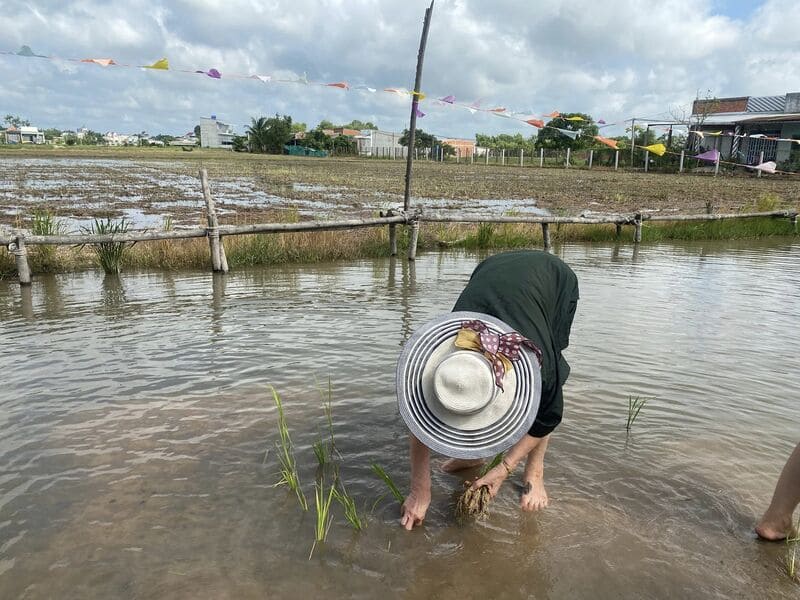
(135, 418)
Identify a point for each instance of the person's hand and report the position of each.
(412, 513)
(493, 480)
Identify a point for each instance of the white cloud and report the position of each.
(612, 60)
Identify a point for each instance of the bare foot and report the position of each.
(534, 496)
(773, 531)
(459, 464)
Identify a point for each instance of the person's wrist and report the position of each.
(509, 466)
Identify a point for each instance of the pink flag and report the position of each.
(535, 123)
(448, 99)
(766, 167)
(339, 84)
(601, 122)
(418, 112)
(710, 156)
(103, 62)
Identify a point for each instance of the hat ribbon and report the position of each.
(500, 350)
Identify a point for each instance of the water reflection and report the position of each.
(133, 460)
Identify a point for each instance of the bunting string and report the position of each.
(524, 117)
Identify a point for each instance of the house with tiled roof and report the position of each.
(23, 135)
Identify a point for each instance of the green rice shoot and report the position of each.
(792, 543)
(324, 519)
(288, 470)
(635, 405)
(491, 465)
(109, 253)
(384, 476)
(348, 504)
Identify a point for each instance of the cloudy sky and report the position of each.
(613, 59)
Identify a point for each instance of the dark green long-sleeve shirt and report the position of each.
(536, 293)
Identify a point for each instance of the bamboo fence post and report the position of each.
(546, 235)
(760, 161)
(521, 157)
(541, 157)
(619, 230)
(412, 243)
(503, 157)
(794, 222)
(392, 239)
(683, 155)
(716, 165)
(591, 158)
(214, 240)
(487, 156)
(458, 154)
(20, 252)
(566, 162)
(616, 160)
(646, 160)
(637, 234)
(472, 157)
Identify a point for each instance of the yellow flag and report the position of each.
(657, 149)
(574, 119)
(162, 64)
(420, 96)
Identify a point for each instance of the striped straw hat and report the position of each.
(468, 385)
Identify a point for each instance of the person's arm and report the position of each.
(413, 511)
(496, 476)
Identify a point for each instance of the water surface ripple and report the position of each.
(136, 415)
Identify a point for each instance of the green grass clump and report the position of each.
(348, 505)
(384, 476)
(288, 471)
(109, 253)
(45, 223)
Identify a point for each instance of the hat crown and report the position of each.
(464, 382)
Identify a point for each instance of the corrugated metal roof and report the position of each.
(766, 103)
(748, 117)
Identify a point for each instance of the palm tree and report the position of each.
(257, 133)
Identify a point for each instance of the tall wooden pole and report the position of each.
(412, 127)
(633, 139)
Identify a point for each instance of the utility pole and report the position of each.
(415, 101)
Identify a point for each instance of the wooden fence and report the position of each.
(17, 240)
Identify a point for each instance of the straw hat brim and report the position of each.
(481, 435)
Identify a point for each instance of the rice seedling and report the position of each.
(635, 404)
(324, 519)
(109, 253)
(384, 476)
(321, 452)
(348, 504)
(288, 471)
(327, 399)
(472, 504)
(792, 544)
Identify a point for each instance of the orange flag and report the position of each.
(499, 109)
(535, 123)
(607, 141)
(339, 84)
(554, 114)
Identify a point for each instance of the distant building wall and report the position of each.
(215, 134)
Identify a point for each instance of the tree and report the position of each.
(421, 139)
(549, 138)
(51, 133)
(15, 121)
(239, 143)
(197, 135)
(325, 124)
(163, 137)
(509, 143)
(344, 144)
(299, 127)
(360, 125)
(270, 134)
(318, 140)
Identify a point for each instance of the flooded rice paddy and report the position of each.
(148, 193)
(136, 415)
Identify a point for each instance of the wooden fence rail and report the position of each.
(18, 240)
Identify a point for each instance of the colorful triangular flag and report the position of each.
(657, 149)
(161, 64)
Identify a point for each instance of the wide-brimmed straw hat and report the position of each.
(468, 385)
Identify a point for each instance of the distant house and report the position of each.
(464, 148)
(745, 126)
(24, 135)
(373, 142)
(215, 134)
